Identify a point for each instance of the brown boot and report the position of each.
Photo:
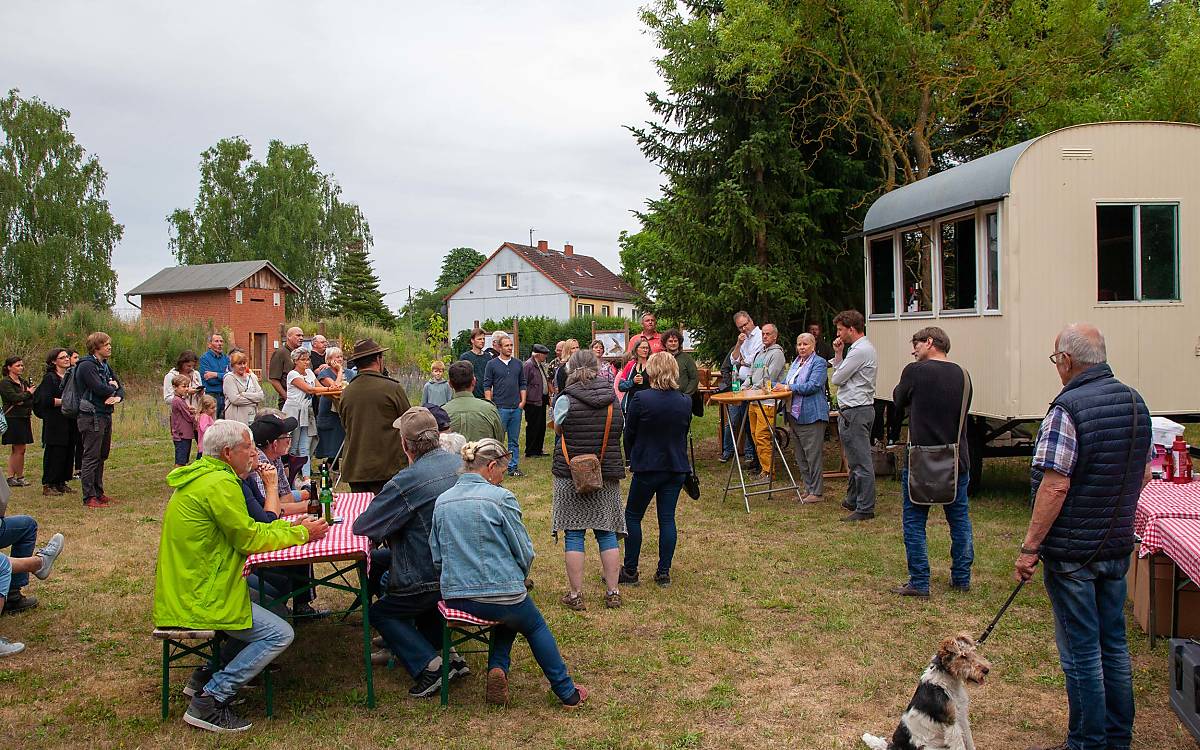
(51, 491)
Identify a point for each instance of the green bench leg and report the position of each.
(445, 664)
(166, 677)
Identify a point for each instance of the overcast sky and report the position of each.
(457, 123)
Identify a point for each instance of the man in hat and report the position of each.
(401, 515)
(473, 418)
(272, 432)
(370, 404)
(537, 394)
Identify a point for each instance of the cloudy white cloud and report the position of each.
(449, 124)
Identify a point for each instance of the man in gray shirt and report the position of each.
(853, 367)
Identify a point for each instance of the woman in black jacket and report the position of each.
(656, 429)
(58, 440)
(17, 394)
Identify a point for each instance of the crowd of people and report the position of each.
(446, 530)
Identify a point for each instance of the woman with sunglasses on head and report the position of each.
(58, 439)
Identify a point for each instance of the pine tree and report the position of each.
(356, 289)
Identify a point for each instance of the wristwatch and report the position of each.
(1026, 551)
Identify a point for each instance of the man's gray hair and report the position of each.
(224, 434)
(1084, 342)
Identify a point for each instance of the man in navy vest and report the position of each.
(1089, 467)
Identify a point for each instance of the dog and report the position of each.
(936, 717)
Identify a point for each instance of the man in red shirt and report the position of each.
(648, 332)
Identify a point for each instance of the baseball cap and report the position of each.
(439, 414)
(269, 427)
(416, 423)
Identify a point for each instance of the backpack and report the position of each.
(70, 395)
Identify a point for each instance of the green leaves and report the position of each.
(356, 292)
(56, 231)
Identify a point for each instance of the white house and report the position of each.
(525, 281)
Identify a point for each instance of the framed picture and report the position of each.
(614, 343)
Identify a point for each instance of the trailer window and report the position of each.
(883, 277)
(991, 223)
(1137, 252)
(917, 269)
(958, 264)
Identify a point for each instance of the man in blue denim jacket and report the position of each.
(401, 515)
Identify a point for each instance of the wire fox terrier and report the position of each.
(936, 717)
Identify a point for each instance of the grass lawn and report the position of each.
(778, 632)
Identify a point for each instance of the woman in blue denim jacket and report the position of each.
(480, 544)
(808, 414)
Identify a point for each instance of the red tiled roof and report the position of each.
(579, 275)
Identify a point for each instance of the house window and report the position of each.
(620, 312)
(958, 264)
(1137, 252)
(991, 276)
(916, 268)
(506, 281)
(237, 296)
(605, 310)
(883, 277)
(275, 298)
(582, 309)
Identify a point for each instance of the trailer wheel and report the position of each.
(976, 431)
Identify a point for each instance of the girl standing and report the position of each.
(204, 420)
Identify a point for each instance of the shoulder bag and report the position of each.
(933, 469)
(691, 483)
(586, 470)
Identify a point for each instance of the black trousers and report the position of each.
(535, 430)
(77, 446)
(97, 439)
(58, 464)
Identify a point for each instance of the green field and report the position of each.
(778, 632)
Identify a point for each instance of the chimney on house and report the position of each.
(568, 250)
(543, 246)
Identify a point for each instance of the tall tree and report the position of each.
(282, 209)
(56, 231)
(458, 264)
(356, 289)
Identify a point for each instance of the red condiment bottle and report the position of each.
(1180, 461)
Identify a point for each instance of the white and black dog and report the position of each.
(936, 717)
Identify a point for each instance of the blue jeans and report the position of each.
(523, 618)
(573, 539)
(183, 452)
(20, 533)
(664, 486)
(411, 626)
(5, 576)
(266, 638)
(962, 545)
(736, 413)
(300, 442)
(510, 419)
(1089, 628)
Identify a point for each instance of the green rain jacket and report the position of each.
(206, 536)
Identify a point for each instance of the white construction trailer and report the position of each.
(1096, 223)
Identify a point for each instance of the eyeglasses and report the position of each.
(1058, 357)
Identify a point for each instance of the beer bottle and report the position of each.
(314, 506)
(326, 500)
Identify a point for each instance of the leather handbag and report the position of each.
(586, 470)
(933, 469)
(691, 483)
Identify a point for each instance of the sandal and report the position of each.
(573, 601)
(612, 600)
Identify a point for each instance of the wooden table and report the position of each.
(751, 398)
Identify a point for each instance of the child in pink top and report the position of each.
(204, 420)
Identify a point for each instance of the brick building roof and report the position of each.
(205, 277)
(577, 275)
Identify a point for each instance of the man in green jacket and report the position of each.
(206, 536)
(371, 454)
(471, 417)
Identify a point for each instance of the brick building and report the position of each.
(247, 298)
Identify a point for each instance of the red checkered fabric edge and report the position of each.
(457, 615)
(1161, 500)
(1181, 542)
(340, 543)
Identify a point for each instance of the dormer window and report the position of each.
(506, 281)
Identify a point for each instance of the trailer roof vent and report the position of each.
(1077, 152)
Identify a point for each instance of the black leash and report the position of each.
(999, 614)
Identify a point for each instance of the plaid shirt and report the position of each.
(1057, 449)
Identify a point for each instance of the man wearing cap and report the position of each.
(371, 454)
(272, 433)
(471, 417)
(537, 392)
(401, 515)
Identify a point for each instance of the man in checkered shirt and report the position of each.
(1089, 467)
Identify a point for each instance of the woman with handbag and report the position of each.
(588, 470)
(58, 440)
(656, 430)
(17, 394)
(808, 414)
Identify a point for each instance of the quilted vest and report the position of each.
(1102, 412)
(584, 428)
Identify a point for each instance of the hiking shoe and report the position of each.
(107, 500)
(573, 601)
(961, 588)
(612, 600)
(516, 473)
(857, 516)
(207, 713)
(725, 459)
(581, 695)
(910, 590)
(810, 499)
(849, 506)
(381, 656)
(426, 684)
(18, 602)
(195, 684)
(662, 579)
(10, 648)
(49, 553)
(63, 488)
(93, 502)
(458, 667)
(627, 578)
(51, 490)
(496, 692)
(306, 613)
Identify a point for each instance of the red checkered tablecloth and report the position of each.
(1180, 539)
(339, 544)
(1161, 500)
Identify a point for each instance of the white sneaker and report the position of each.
(9, 648)
(49, 554)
